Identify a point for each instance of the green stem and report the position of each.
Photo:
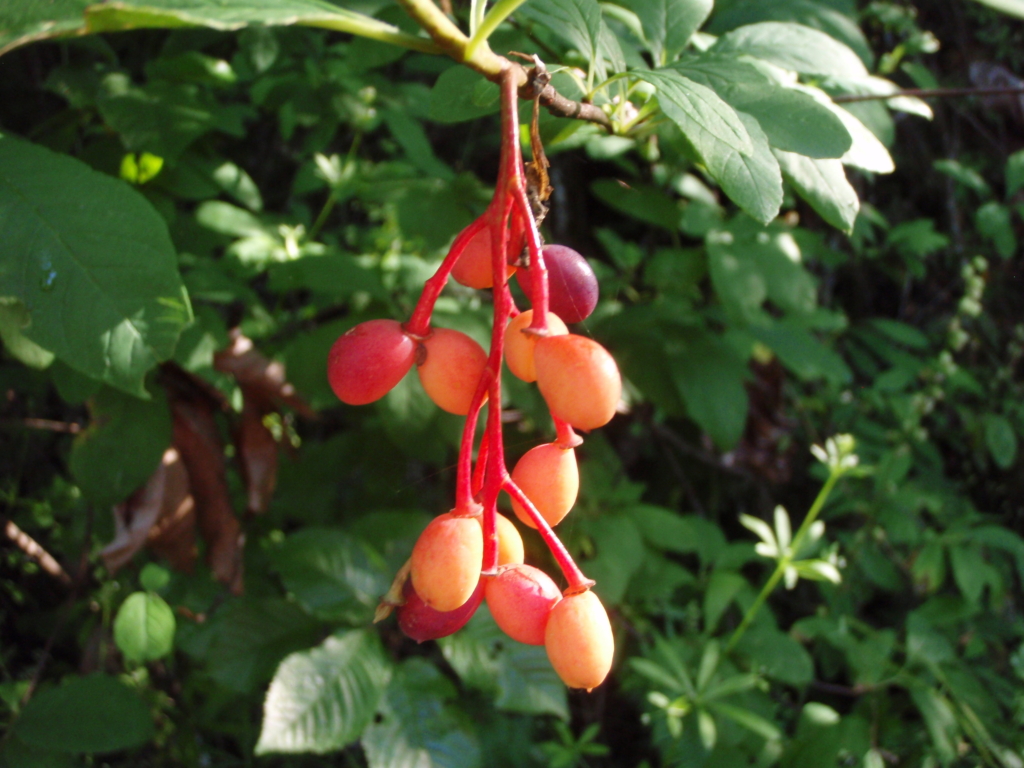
(451, 39)
(501, 11)
(364, 26)
(784, 562)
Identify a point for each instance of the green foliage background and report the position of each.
(778, 263)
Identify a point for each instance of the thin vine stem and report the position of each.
(785, 561)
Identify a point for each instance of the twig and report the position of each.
(35, 550)
(929, 93)
(68, 427)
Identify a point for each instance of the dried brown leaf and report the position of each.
(198, 440)
(257, 456)
(263, 379)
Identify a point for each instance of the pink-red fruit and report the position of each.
(368, 360)
(579, 641)
(520, 598)
(579, 380)
(446, 561)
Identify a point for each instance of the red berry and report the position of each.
(473, 267)
(579, 641)
(446, 561)
(572, 284)
(421, 622)
(451, 369)
(520, 598)
(367, 361)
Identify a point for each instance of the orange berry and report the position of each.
(446, 561)
(519, 345)
(549, 477)
(579, 641)
(452, 369)
(473, 267)
(579, 380)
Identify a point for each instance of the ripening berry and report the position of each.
(579, 641)
(368, 360)
(421, 622)
(510, 543)
(452, 369)
(520, 598)
(473, 267)
(549, 477)
(579, 380)
(519, 345)
(446, 561)
(572, 284)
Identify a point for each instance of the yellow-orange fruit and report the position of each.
(452, 369)
(579, 380)
(510, 543)
(473, 267)
(549, 477)
(519, 346)
(520, 598)
(446, 561)
(579, 642)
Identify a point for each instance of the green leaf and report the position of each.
(1001, 440)
(940, 720)
(413, 139)
(641, 201)
(1015, 170)
(710, 378)
(331, 574)
(801, 353)
(527, 684)
(963, 174)
(461, 94)
(235, 14)
(823, 184)
(665, 529)
(777, 655)
(747, 719)
(1010, 7)
(320, 700)
(121, 447)
(993, 221)
(810, 13)
(165, 118)
(520, 676)
(14, 319)
(247, 638)
(794, 47)
(25, 21)
(970, 571)
(792, 119)
(723, 587)
(577, 21)
(749, 265)
(620, 552)
(144, 627)
(93, 264)
(417, 727)
(711, 126)
(89, 714)
(753, 182)
(668, 25)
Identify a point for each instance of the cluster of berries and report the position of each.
(473, 553)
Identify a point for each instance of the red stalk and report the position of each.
(577, 581)
(419, 323)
